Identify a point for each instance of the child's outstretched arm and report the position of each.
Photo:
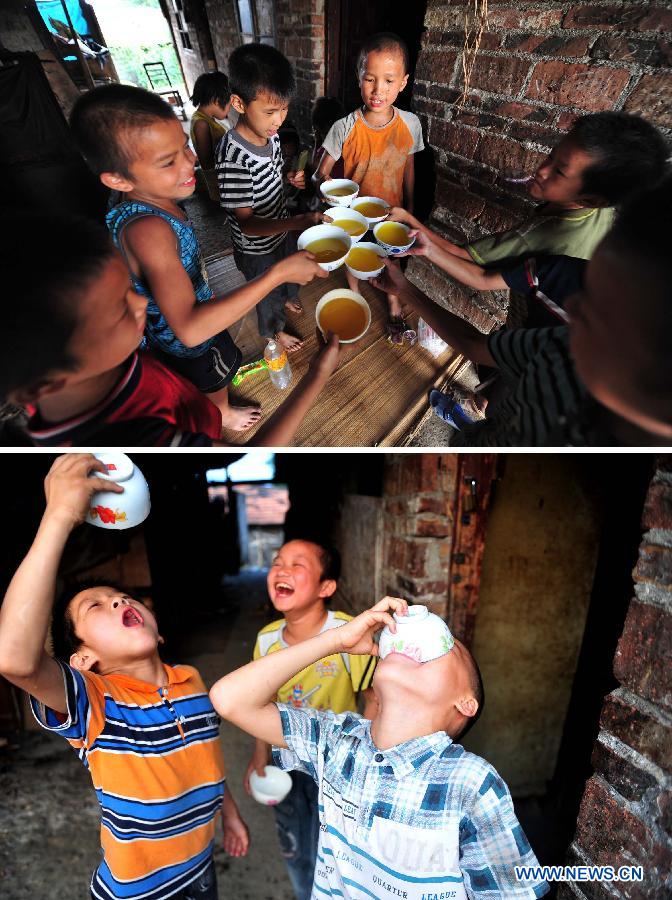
(246, 697)
(151, 243)
(258, 226)
(398, 214)
(327, 163)
(465, 271)
(461, 336)
(25, 612)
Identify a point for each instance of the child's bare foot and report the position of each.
(288, 341)
(240, 418)
(394, 305)
(294, 306)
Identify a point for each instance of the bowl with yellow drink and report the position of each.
(372, 208)
(329, 244)
(339, 191)
(350, 221)
(393, 237)
(365, 260)
(344, 313)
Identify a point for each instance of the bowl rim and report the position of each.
(367, 245)
(394, 248)
(353, 295)
(341, 182)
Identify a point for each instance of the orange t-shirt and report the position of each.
(375, 157)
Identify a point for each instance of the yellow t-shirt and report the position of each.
(330, 683)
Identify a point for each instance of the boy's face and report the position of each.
(163, 163)
(110, 327)
(382, 79)
(442, 685)
(295, 578)
(559, 179)
(114, 629)
(609, 322)
(264, 115)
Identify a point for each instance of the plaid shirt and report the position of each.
(424, 820)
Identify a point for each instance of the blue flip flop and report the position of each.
(449, 410)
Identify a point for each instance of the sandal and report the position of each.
(449, 410)
(395, 329)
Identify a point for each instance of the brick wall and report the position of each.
(419, 499)
(200, 58)
(300, 35)
(626, 811)
(224, 31)
(540, 65)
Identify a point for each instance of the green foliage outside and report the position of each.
(129, 64)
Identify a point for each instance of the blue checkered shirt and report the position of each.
(424, 820)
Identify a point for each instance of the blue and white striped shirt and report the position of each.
(420, 821)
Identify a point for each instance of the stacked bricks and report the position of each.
(626, 810)
(224, 31)
(419, 500)
(300, 36)
(539, 66)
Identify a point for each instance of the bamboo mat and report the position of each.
(374, 398)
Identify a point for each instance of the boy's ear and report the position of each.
(238, 104)
(327, 588)
(31, 393)
(468, 706)
(116, 182)
(593, 201)
(83, 660)
(404, 82)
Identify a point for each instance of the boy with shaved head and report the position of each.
(404, 810)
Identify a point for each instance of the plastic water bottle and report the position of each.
(278, 364)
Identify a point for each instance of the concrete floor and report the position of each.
(49, 821)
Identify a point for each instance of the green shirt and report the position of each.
(573, 232)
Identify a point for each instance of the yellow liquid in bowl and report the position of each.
(343, 316)
(363, 259)
(327, 249)
(339, 192)
(350, 226)
(392, 233)
(370, 210)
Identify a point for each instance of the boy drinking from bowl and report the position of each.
(146, 731)
(404, 810)
(302, 579)
(249, 169)
(377, 142)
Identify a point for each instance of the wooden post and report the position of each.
(88, 77)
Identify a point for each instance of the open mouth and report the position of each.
(283, 590)
(131, 617)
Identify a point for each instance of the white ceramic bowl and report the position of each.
(316, 233)
(362, 274)
(341, 213)
(343, 292)
(118, 511)
(272, 788)
(332, 183)
(373, 200)
(421, 636)
(393, 249)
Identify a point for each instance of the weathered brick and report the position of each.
(654, 565)
(643, 660)
(566, 120)
(449, 136)
(416, 557)
(431, 526)
(594, 16)
(515, 17)
(526, 131)
(460, 201)
(630, 781)
(658, 507)
(638, 726)
(501, 153)
(437, 505)
(521, 111)
(664, 804)
(496, 218)
(499, 74)
(543, 45)
(631, 50)
(657, 19)
(577, 84)
(442, 92)
(436, 64)
(652, 97)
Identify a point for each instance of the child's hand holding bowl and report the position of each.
(356, 636)
(299, 268)
(392, 280)
(297, 180)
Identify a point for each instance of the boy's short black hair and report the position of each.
(48, 260)
(329, 556)
(384, 40)
(64, 639)
(631, 154)
(476, 684)
(102, 119)
(326, 111)
(211, 87)
(260, 68)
